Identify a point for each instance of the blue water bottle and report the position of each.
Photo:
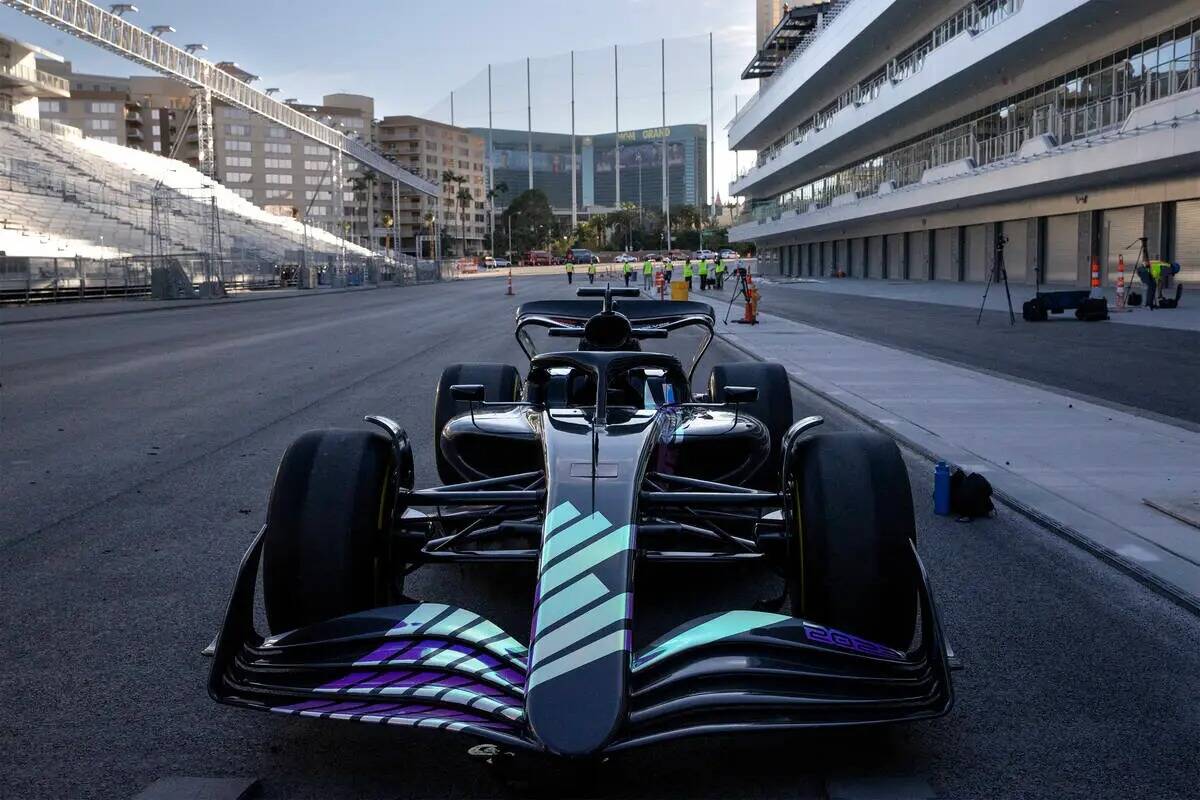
(941, 488)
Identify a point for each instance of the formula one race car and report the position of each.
(600, 458)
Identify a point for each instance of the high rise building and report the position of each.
(920, 140)
(432, 149)
(641, 154)
(769, 12)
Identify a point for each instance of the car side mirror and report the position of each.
(740, 394)
(470, 392)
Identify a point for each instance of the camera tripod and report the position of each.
(740, 289)
(998, 273)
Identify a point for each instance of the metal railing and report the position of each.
(45, 125)
(973, 19)
(33, 75)
(1082, 108)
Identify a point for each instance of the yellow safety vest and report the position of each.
(591, 269)
(1156, 269)
(720, 267)
(648, 268)
(570, 267)
(627, 267)
(704, 267)
(687, 270)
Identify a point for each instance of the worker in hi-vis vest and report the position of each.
(720, 271)
(591, 272)
(627, 269)
(668, 270)
(570, 266)
(687, 272)
(703, 274)
(648, 275)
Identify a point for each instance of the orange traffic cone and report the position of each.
(1096, 292)
(510, 291)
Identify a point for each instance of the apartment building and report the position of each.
(430, 149)
(920, 139)
(23, 81)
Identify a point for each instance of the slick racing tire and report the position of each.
(851, 530)
(501, 382)
(773, 408)
(331, 499)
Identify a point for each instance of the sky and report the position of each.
(410, 54)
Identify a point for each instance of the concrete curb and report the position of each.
(1106, 542)
(179, 305)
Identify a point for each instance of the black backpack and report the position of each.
(970, 495)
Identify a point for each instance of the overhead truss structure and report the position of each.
(93, 24)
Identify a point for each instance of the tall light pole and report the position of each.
(666, 194)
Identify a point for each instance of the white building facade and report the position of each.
(909, 139)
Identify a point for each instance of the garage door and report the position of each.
(977, 253)
(1121, 234)
(858, 258)
(1062, 249)
(895, 256)
(944, 266)
(918, 255)
(1016, 252)
(875, 257)
(1186, 247)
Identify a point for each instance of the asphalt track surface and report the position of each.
(1140, 368)
(136, 454)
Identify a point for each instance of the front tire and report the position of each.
(331, 500)
(851, 523)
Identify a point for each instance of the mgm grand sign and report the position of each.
(648, 135)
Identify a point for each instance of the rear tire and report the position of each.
(501, 383)
(773, 408)
(331, 499)
(851, 516)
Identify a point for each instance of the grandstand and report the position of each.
(66, 197)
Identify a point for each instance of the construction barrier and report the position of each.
(679, 290)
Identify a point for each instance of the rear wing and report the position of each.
(669, 315)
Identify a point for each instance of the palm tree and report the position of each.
(464, 197)
(431, 225)
(366, 183)
(450, 176)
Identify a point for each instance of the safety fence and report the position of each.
(27, 280)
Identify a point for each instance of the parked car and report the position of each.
(579, 255)
(727, 254)
(538, 258)
(624, 258)
(707, 254)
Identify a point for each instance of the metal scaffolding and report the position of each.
(93, 24)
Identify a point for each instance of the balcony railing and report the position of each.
(30, 74)
(972, 19)
(1097, 104)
